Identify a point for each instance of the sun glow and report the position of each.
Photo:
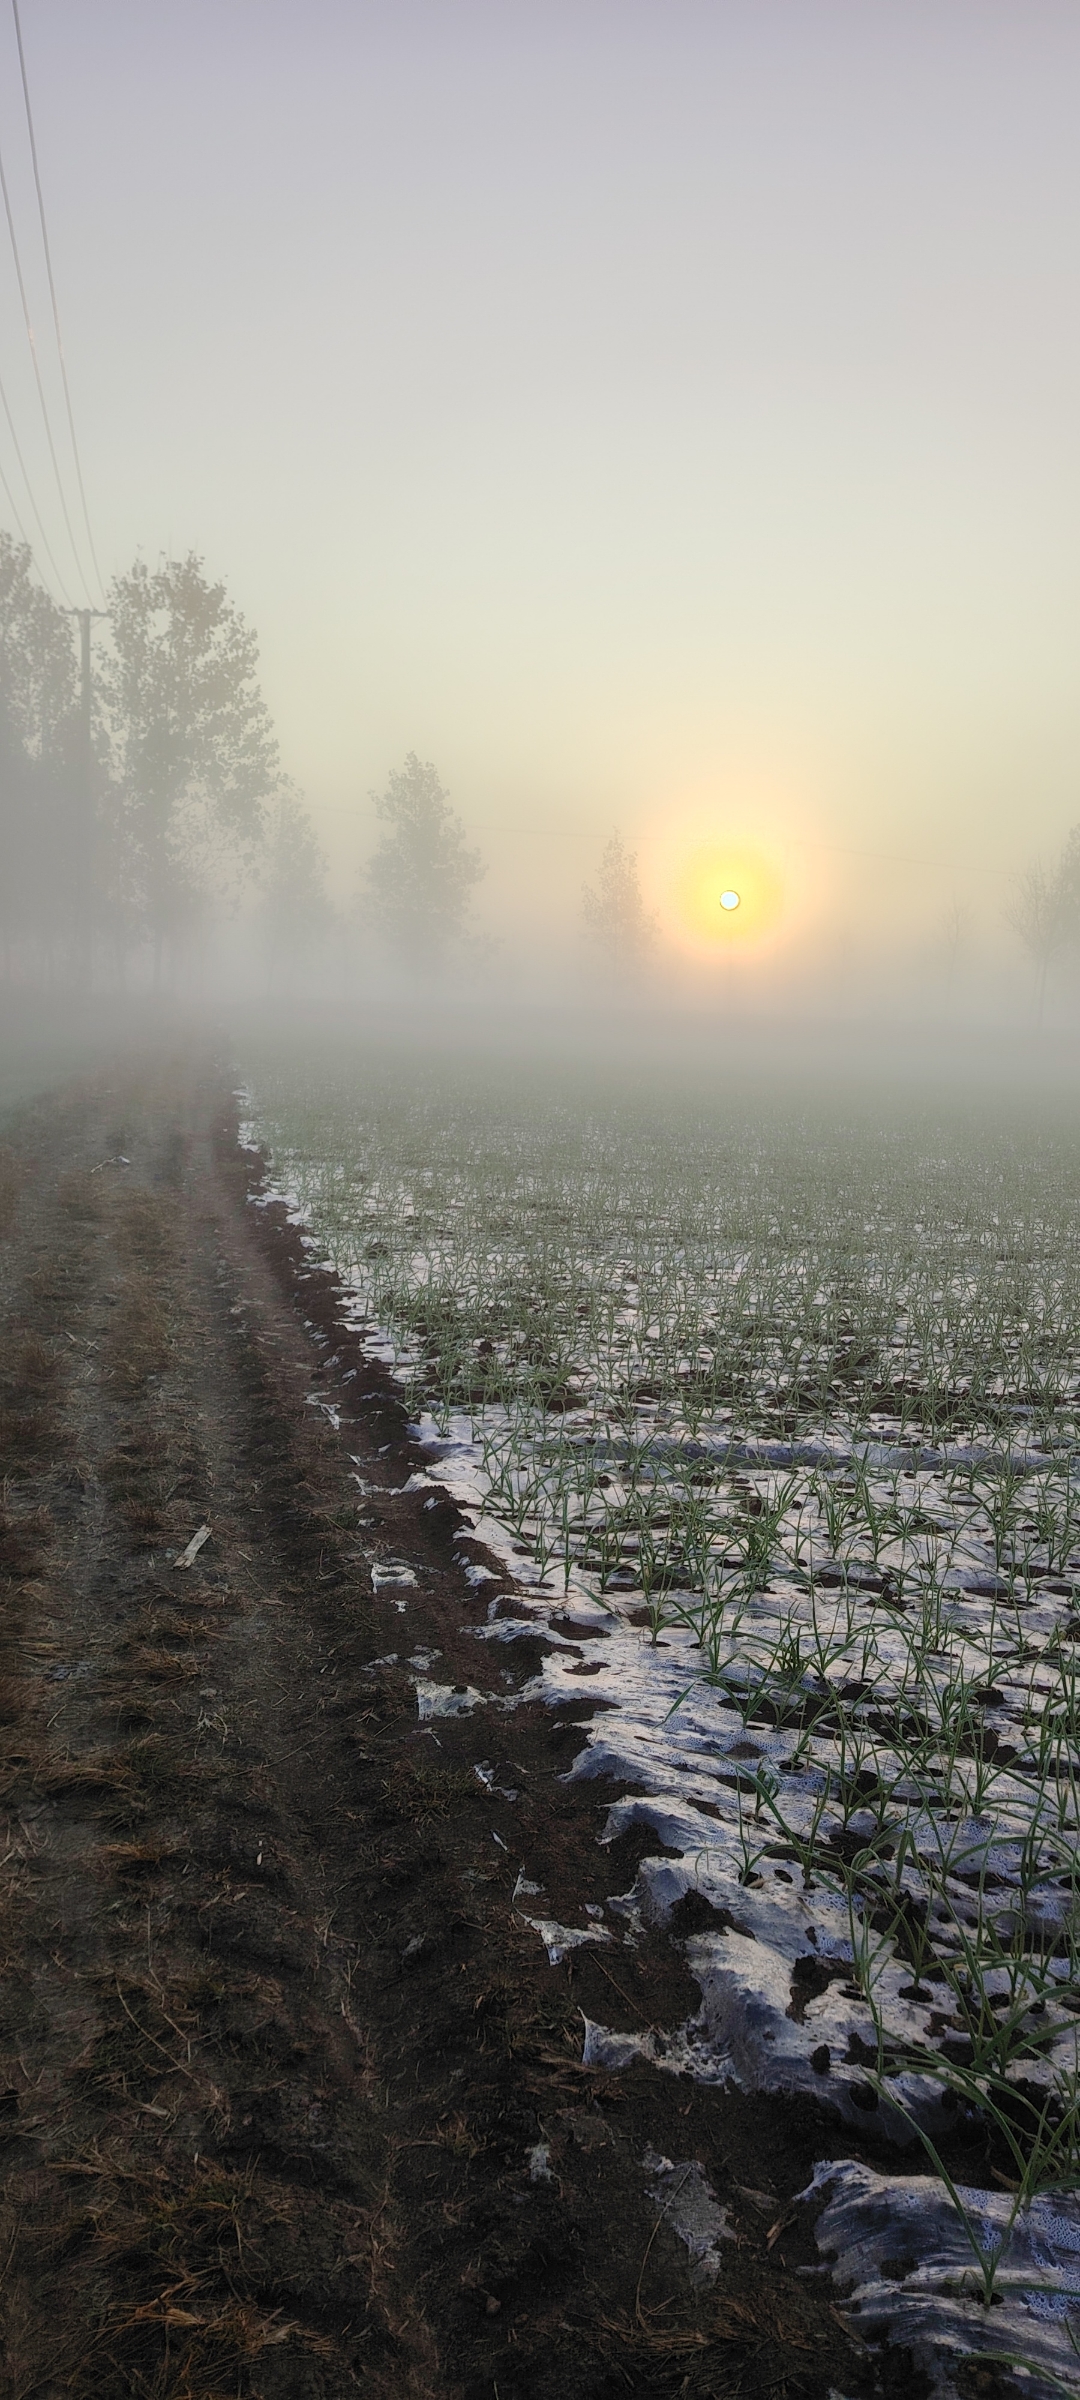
(720, 894)
(729, 868)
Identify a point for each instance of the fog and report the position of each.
(540, 984)
(658, 427)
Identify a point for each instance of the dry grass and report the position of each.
(183, 2258)
(140, 1454)
(26, 1434)
(31, 1378)
(50, 1292)
(127, 1858)
(138, 1338)
(62, 1778)
(133, 2049)
(145, 1522)
(79, 1194)
(143, 1228)
(739, 2327)
(212, 1984)
(13, 1696)
(158, 1627)
(163, 1666)
(33, 1370)
(420, 1794)
(24, 1540)
(127, 1783)
(12, 1178)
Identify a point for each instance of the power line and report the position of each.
(10, 498)
(11, 501)
(53, 298)
(46, 544)
(27, 320)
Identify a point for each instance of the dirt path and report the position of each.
(291, 2101)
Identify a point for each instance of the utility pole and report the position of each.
(83, 828)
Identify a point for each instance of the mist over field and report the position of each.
(539, 1172)
(656, 428)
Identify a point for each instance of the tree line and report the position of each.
(136, 811)
(137, 808)
(128, 805)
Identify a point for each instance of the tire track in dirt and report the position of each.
(167, 1984)
(291, 2103)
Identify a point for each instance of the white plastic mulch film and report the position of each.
(777, 1423)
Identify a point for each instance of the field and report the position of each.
(773, 1407)
(293, 2100)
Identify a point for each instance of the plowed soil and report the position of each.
(291, 2101)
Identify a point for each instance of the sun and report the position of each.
(723, 894)
(726, 868)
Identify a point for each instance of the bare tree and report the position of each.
(418, 883)
(615, 912)
(1045, 912)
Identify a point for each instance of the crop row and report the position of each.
(803, 1395)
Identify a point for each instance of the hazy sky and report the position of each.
(659, 415)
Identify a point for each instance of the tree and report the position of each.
(1045, 912)
(419, 879)
(195, 755)
(40, 895)
(615, 911)
(294, 912)
(37, 659)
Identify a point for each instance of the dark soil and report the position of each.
(274, 2044)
